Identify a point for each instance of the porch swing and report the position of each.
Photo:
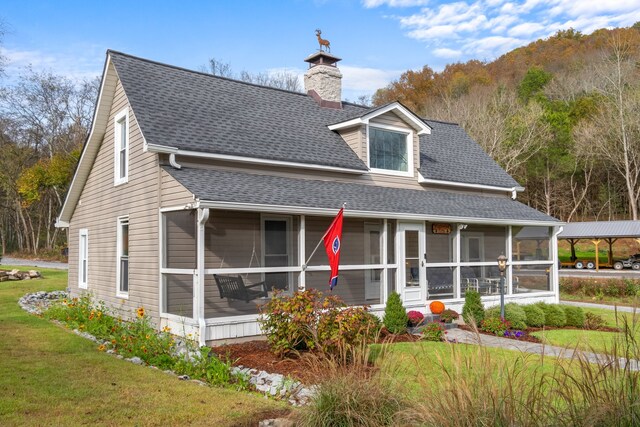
(234, 288)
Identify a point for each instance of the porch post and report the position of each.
(509, 272)
(384, 277)
(302, 255)
(198, 292)
(555, 286)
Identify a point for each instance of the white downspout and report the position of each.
(203, 216)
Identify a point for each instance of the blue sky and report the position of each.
(377, 39)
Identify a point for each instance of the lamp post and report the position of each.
(502, 266)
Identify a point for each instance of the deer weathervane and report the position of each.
(323, 42)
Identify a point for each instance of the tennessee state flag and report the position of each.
(333, 244)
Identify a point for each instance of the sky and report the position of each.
(377, 39)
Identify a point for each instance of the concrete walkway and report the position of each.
(468, 337)
(33, 263)
(603, 306)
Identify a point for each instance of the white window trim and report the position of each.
(120, 220)
(83, 254)
(410, 152)
(117, 180)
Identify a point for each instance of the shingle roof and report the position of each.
(200, 112)
(600, 229)
(449, 154)
(240, 187)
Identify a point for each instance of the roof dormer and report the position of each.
(386, 139)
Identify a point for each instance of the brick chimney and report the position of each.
(323, 80)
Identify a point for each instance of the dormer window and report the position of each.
(390, 150)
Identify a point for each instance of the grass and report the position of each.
(595, 341)
(603, 299)
(50, 376)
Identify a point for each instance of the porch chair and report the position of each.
(232, 287)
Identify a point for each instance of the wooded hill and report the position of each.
(561, 115)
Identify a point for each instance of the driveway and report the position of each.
(34, 263)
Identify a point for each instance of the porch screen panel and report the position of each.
(482, 243)
(180, 239)
(352, 251)
(351, 285)
(531, 278)
(235, 239)
(441, 282)
(440, 246)
(531, 243)
(216, 307)
(178, 292)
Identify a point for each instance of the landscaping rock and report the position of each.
(184, 377)
(135, 360)
(276, 422)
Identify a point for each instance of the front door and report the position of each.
(411, 272)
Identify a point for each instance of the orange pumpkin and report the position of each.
(436, 307)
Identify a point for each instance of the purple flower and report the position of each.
(519, 334)
(506, 333)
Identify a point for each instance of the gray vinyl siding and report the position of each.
(101, 203)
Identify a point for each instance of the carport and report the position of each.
(598, 232)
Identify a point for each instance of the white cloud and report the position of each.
(445, 52)
(525, 29)
(366, 80)
(370, 4)
(485, 29)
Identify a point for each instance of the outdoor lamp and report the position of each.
(502, 266)
(502, 263)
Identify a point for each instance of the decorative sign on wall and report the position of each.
(441, 228)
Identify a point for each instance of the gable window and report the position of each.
(121, 142)
(390, 150)
(122, 262)
(83, 258)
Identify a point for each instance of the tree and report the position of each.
(280, 79)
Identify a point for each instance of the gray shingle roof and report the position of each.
(241, 187)
(449, 154)
(600, 229)
(200, 112)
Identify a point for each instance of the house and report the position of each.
(188, 177)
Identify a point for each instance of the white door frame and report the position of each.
(411, 295)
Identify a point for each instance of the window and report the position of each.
(122, 263)
(277, 247)
(121, 142)
(390, 150)
(83, 257)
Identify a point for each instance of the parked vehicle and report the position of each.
(632, 262)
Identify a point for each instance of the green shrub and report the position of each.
(395, 316)
(433, 331)
(553, 315)
(535, 315)
(574, 315)
(495, 325)
(513, 313)
(340, 331)
(473, 310)
(593, 321)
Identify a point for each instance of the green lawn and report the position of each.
(50, 376)
(596, 341)
(604, 299)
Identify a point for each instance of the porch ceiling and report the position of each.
(229, 187)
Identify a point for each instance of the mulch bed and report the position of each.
(256, 354)
(530, 338)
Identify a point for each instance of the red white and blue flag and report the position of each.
(332, 244)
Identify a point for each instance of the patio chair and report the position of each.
(233, 287)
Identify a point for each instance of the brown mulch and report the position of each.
(256, 354)
(524, 337)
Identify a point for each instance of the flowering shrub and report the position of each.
(415, 317)
(495, 325)
(307, 320)
(449, 316)
(139, 338)
(433, 331)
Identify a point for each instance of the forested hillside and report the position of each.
(562, 115)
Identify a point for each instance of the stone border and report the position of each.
(274, 385)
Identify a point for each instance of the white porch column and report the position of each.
(302, 254)
(555, 285)
(385, 256)
(509, 255)
(198, 291)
